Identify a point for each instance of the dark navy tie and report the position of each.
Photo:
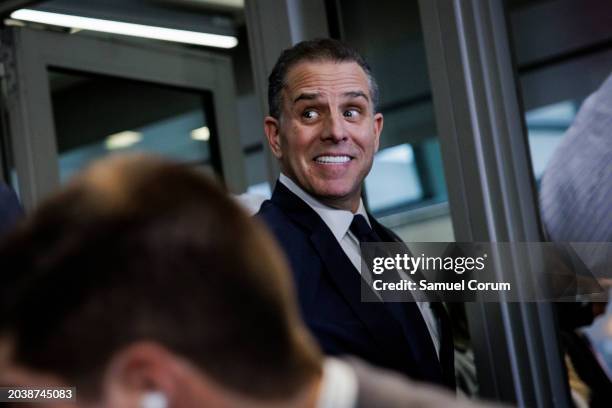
(365, 234)
(362, 231)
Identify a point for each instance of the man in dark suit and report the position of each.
(324, 129)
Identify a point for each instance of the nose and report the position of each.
(334, 129)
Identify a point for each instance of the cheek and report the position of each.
(368, 142)
(300, 143)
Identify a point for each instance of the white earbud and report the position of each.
(154, 399)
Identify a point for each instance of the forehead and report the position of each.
(326, 77)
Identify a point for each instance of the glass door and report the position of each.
(76, 98)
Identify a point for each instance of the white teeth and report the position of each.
(333, 159)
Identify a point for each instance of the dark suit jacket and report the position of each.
(329, 292)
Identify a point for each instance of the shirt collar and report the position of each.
(338, 221)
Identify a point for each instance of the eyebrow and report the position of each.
(309, 96)
(306, 97)
(356, 94)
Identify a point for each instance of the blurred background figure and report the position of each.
(142, 284)
(10, 209)
(576, 206)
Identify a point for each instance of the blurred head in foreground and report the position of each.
(143, 285)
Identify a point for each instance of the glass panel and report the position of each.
(407, 174)
(98, 115)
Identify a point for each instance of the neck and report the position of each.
(348, 204)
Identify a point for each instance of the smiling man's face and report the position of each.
(328, 132)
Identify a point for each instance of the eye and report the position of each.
(310, 114)
(351, 113)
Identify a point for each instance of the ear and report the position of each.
(137, 371)
(272, 129)
(378, 127)
(146, 374)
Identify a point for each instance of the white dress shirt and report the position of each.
(339, 222)
(339, 385)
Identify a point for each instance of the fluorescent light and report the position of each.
(117, 27)
(238, 4)
(202, 134)
(122, 139)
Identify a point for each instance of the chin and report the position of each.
(330, 189)
(335, 192)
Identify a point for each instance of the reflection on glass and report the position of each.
(97, 116)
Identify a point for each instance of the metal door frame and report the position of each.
(491, 192)
(28, 97)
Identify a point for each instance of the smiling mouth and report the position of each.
(333, 159)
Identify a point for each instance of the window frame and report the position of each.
(28, 100)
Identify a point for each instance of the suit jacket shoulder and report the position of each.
(294, 239)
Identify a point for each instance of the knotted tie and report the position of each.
(364, 234)
(362, 231)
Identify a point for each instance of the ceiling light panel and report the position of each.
(129, 29)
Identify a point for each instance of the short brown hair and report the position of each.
(320, 49)
(144, 249)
